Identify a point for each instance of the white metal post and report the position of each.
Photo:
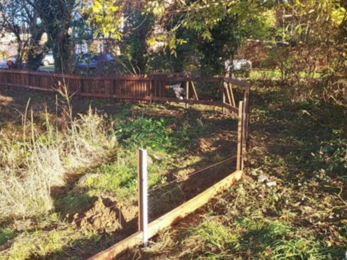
(143, 194)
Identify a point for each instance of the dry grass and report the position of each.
(39, 158)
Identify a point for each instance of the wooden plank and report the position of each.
(194, 89)
(228, 93)
(127, 97)
(244, 135)
(238, 82)
(192, 102)
(196, 102)
(247, 114)
(187, 94)
(231, 108)
(170, 218)
(240, 138)
(232, 95)
(151, 91)
(196, 79)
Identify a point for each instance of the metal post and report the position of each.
(143, 194)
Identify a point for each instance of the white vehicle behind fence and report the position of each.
(238, 66)
(48, 59)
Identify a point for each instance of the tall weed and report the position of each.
(30, 167)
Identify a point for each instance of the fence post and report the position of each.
(187, 94)
(247, 110)
(240, 138)
(151, 91)
(8, 75)
(224, 99)
(142, 194)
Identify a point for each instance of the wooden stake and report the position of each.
(194, 89)
(151, 91)
(246, 99)
(224, 99)
(244, 135)
(143, 194)
(232, 95)
(240, 138)
(187, 93)
(227, 92)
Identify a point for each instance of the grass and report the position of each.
(6, 234)
(273, 74)
(41, 159)
(47, 68)
(293, 206)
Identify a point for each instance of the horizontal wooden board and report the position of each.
(237, 82)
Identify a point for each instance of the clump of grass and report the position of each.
(6, 234)
(300, 248)
(34, 162)
(212, 238)
(40, 244)
(119, 178)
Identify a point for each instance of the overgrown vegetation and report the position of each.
(55, 163)
(41, 158)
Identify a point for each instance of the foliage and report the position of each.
(6, 234)
(105, 17)
(134, 44)
(159, 134)
(204, 16)
(144, 133)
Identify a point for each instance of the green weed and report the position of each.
(212, 239)
(301, 248)
(146, 133)
(6, 234)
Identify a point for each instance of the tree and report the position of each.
(137, 29)
(56, 17)
(14, 20)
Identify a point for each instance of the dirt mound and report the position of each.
(102, 216)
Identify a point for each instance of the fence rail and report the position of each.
(138, 88)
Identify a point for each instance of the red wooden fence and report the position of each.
(122, 87)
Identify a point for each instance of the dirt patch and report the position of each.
(220, 141)
(102, 216)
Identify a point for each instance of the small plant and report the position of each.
(143, 132)
(6, 234)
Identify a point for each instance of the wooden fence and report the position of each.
(127, 88)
